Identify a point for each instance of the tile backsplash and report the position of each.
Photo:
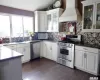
(91, 38)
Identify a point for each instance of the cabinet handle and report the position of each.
(84, 55)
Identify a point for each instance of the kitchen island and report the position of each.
(10, 64)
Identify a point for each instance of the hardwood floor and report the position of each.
(44, 69)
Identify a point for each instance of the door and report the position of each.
(79, 59)
(88, 17)
(54, 51)
(91, 62)
(36, 50)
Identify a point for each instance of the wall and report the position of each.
(30, 5)
(10, 10)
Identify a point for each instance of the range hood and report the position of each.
(71, 13)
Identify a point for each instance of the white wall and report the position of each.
(30, 5)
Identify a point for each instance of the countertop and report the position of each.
(6, 53)
(88, 45)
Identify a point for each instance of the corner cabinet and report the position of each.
(40, 21)
(91, 16)
(53, 20)
(87, 59)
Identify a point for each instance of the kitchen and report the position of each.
(59, 41)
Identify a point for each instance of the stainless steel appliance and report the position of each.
(66, 54)
(66, 50)
(35, 49)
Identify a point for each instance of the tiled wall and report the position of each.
(88, 38)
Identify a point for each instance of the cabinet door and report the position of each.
(97, 17)
(54, 51)
(55, 23)
(26, 52)
(79, 59)
(44, 48)
(49, 50)
(49, 22)
(92, 62)
(40, 21)
(88, 17)
(20, 50)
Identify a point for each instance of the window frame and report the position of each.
(10, 20)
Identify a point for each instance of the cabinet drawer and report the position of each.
(87, 49)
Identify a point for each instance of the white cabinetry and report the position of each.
(53, 20)
(87, 59)
(25, 50)
(40, 21)
(91, 16)
(13, 46)
(79, 59)
(49, 50)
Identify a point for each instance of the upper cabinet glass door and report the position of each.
(49, 22)
(97, 16)
(88, 17)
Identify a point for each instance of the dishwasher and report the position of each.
(35, 49)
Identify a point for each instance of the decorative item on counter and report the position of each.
(31, 35)
(57, 4)
(72, 27)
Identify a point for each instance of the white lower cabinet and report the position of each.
(25, 50)
(49, 50)
(92, 62)
(79, 59)
(87, 60)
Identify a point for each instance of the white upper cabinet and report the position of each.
(53, 20)
(91, 16)
(40, 21)
(48, 21)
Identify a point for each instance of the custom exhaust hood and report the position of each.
(71, 12)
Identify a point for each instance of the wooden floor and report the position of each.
(44, 69)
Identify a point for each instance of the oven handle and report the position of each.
(66, 59)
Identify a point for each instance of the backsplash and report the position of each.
(90, 38)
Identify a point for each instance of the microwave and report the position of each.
(41, 36)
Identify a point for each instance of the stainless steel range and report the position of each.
(66, 50)
(66, 54)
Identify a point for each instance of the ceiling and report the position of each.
(30, 5)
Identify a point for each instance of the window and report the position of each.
(28, 25)
(12, 26)
(17, 26)
(4, 26)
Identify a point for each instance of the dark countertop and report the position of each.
(88, 45)
(6, 53)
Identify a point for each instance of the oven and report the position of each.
(66, 54)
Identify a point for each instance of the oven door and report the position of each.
(65, 53)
